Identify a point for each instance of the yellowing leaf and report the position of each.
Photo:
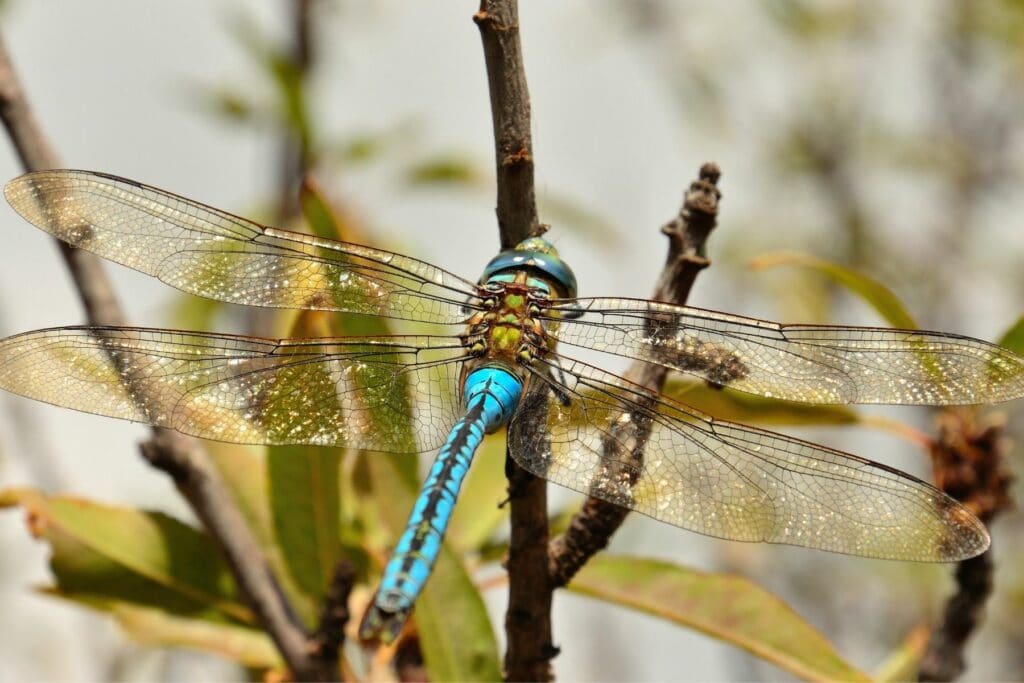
(737, 406)
(727, 607)
(877, 295)
(144, 557)
(155, 627)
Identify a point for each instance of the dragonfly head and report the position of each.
(540, 259)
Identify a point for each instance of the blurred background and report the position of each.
(886, 136)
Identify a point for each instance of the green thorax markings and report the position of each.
(508, 330)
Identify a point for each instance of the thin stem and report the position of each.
(498, 22)
(591, 528)
(528, 620)
(968, 457)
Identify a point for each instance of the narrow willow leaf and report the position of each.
(323, 218)
(147, 558)
(877, 295)
(1013, 338)
(737, 406)
(304, 490)
(447, 169)
(902, 663)
(196, 313)
(455, 631)
(727, 607)
(244, 470)
(155, 627)
(479, 512)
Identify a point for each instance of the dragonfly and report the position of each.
(502, 366)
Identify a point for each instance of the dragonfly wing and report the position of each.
(808, 363)
(618, 442)
(211, 253)
(388, 394)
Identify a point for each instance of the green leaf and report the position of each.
(318, 213)
(1013, 338)
(147, 558)
(738, 406)
(446, 169)
(196, 313)
(246, 474)
(228, 103)
(877, 295)
(727, 607)
(455, 632)
(304, 490)
(284, 74)
(902, 663)
(478, 514)
(155, 627)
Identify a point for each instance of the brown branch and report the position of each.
(179, 456)
(528, 619)
(498, 21)
(968, 459)
(592, 527)
(294, 156)
(334, 615)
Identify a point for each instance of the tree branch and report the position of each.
(498, 21)
(334, 615)
(528, 619)
(969, 462)
(179, 456)
(592, 527)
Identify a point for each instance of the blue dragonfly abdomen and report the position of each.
(491, 394)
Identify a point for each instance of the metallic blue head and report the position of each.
(533, 254)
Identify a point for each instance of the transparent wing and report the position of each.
(211, 253)
(386, 394)
(809, 363)
(729, 480)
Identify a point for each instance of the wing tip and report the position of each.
(966, 536)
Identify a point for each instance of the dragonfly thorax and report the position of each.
(508, 329)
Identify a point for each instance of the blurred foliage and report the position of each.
(901, 664)
(1013, 338)
(876, 141)
(874, 293)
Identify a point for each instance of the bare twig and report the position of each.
(498, 21)
(968, 459)
(592, 527)
(295, 156)
(334, 614)
(528, 620)
(179, 456)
